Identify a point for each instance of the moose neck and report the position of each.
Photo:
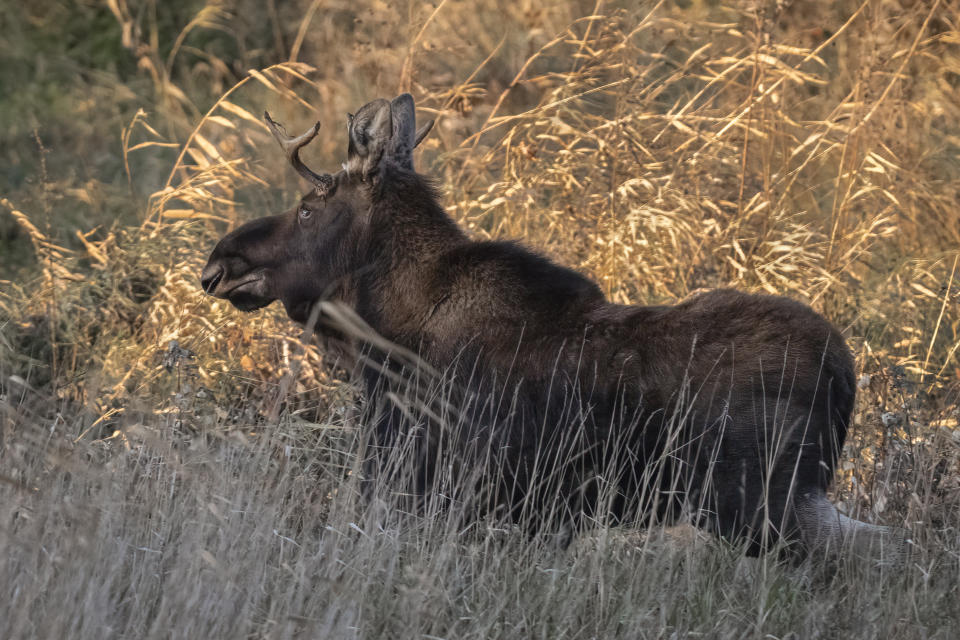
(407, 217)
(410, 231)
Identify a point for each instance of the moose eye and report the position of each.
(304, 212)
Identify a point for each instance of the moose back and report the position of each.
(559, 407)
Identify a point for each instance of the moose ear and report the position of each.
(404, 130)
(405, 134)
(370, 133)
(383, 130)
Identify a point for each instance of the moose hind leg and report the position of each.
(825, 532)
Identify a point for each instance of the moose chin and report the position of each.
(511, 384)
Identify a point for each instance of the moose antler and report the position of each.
(291, 146)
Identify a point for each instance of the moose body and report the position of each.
(729, 407)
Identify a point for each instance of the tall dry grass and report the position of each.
(172, 468)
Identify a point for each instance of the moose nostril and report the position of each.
(211, 277)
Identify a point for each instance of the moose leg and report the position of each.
(754, 484)
(824, 531)
(380, 444)
(398, 461)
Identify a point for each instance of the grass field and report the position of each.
(172, 468)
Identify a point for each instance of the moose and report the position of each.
(729, 408)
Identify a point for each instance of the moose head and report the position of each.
(308, 252)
